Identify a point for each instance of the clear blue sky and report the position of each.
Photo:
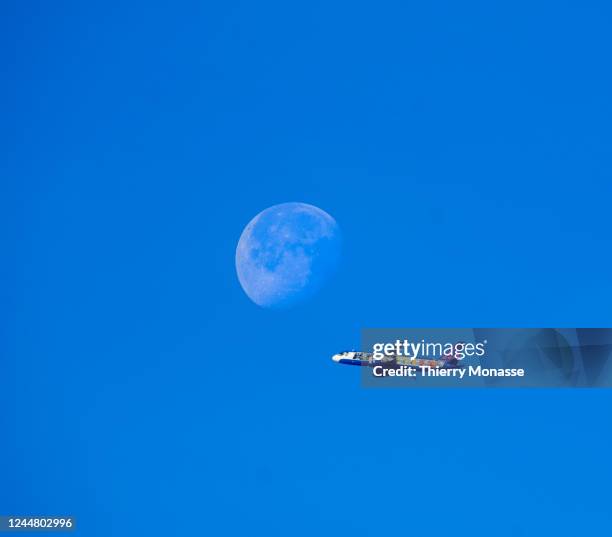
(464, 149)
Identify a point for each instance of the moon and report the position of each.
(286, 253)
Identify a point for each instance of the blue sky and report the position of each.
(463, 148)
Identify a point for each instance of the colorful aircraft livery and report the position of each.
(367, 359)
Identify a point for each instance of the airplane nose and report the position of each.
(336, 358)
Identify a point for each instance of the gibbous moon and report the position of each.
(286, 253)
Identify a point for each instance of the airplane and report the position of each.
(366, 359)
